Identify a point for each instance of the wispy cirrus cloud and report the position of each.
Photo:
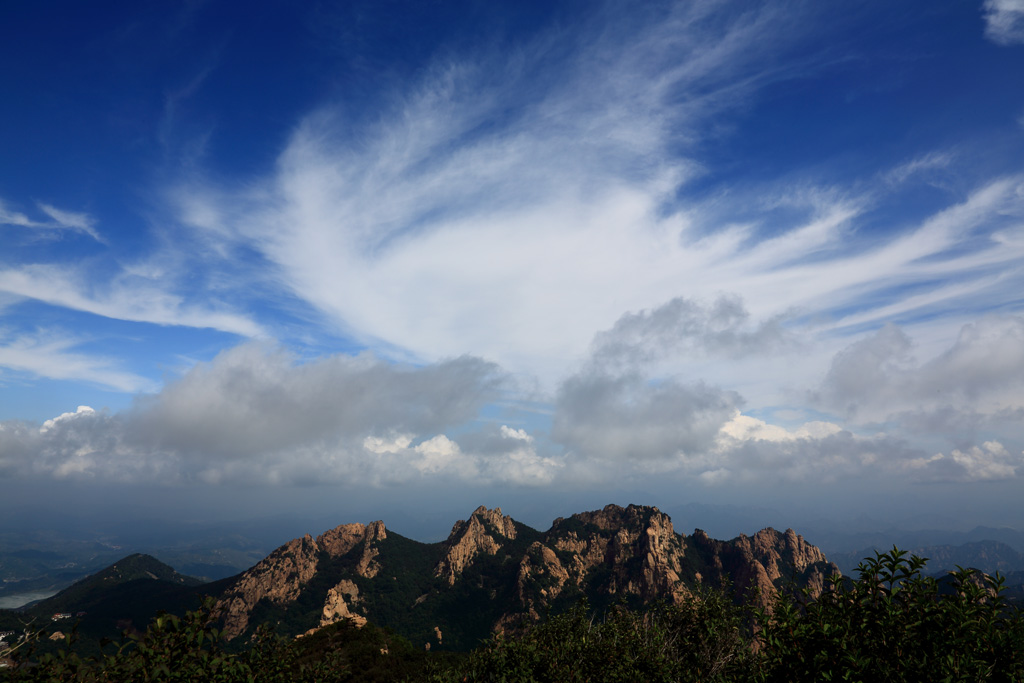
(57, 355)
(129, 297)
(549, 164)
(446, 224)
(1004, 21)
(59, 220)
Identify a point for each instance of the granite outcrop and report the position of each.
(492, 573)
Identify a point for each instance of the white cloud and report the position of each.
(922, 165)
(1004, 21)
(745, 428)
(60, 220)
(128, 298)
(54, 355)
(394, 444)
(989, 462)
(492, 185)
(431, 238)
(64, 417)
(440, 453)
(9, 217)
(515, 434)
(75, 221)
(751, 450)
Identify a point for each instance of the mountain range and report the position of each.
(491, 573)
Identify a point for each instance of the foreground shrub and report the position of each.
(700, 640)
(894, 624)
(175, 649)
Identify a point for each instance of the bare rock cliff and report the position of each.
(485, 532)
(635, 549)
(759, 565)
(339, 603)
(616, 552)
(281, 576)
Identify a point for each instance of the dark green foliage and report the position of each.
(700, 640)
(894, 624)
(190, 649)
(390, 597)
(126, 595)
(409, 599)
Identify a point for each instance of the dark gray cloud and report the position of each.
(832, 457)
(252, 400)
(957, 423)
(864, 372)
(255, 414)
(629, 417)
(982, 372)
(617, 406)
(684, 326)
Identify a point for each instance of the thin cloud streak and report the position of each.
(132, 298)
(61, 220)
(56, 356)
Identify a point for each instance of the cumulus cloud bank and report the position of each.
(879, 376)
(257, 415)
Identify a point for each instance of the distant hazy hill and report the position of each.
(126, 594)
(988, 556)
(834, 541)
(46, 560)
(96, 588)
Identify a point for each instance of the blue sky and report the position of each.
(444, 254)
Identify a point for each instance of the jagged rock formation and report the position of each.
(634, 550)
(492, 572)
(282, 575)
(337, 604)
(756, 565)
(485, 532)
(277, 578)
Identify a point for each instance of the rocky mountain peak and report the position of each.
(757, 565)
(617, 517)
(635, 548)
(486, 531)
(281, 576)
(359, 572)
